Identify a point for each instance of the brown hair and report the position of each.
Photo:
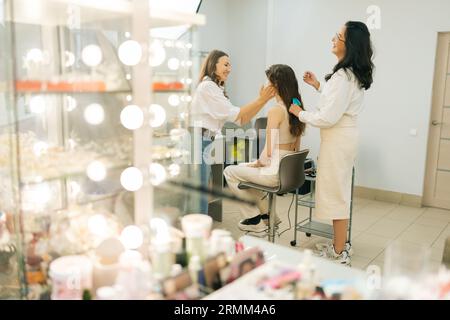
(209, 67)
(282, 77)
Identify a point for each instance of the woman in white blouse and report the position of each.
(211, 108)
(340, 103)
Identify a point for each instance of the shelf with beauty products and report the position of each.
(96, 119)
(48, 87)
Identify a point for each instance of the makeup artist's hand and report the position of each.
(295, 109)
(266, 93)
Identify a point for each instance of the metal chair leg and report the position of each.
(272, 217)
(296, 218)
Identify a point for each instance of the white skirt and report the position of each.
(338, 149)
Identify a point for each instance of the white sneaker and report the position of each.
(328, 253)
(348, 247)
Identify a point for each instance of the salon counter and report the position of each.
(278, 257)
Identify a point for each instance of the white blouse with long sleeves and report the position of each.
(210, 109)
(341, 95)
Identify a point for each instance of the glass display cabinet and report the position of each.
(94, 107)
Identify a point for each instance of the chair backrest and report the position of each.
(260, 127)
(291, 171)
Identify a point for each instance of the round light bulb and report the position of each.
(189, 63)
(168, 43)
(127, 35)
(157, 115)
(130, 52)
(188, 98)
(92, 55)
(129, 98)
(96, 171)
(37, 104)
(173, 63)
(97, 225)
(37, 196)
(174, 169)
(189, 45)
(174, 100)
(157, 174)
(132, 117)
(69, 59)
(71, 103)
(188, 80)
(131, 237)
(157, 54)
(94, 114)
(131, 179)
(40, 148)
(128, 76)
(35, 55)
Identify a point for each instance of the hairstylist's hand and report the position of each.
(295, 109)
(311, 79)
(266, 93)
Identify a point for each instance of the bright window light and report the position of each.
(186, 6)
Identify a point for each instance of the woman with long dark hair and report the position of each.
(340, 103)
(283, 133)
(211, 108)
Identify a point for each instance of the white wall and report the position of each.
(400, 99)
(238, 28)
(214, 35)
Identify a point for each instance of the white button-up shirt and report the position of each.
(341, 95)
(210, 109)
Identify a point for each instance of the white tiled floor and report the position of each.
(376, 225)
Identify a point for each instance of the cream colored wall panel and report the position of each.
(444, 155)
(448, 63)
(443, 185)
(447, 92)
(445, 133)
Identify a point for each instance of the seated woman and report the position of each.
(282, 137)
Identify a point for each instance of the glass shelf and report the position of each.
(64, 85)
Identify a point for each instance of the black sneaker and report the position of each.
(249, 221)
(265, 217)
(254, 224)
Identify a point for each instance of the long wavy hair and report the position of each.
(209, 68)
(282, 77)
(359, 53)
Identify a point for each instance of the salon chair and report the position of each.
(291, 177)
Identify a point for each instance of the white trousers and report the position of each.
(266, 176)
